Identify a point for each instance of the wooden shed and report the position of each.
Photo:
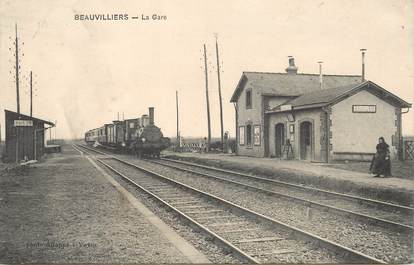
(25, 137)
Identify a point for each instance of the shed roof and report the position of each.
(332, 95)
(26, 117)
(284, 84)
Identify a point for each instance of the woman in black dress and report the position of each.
(381, 164)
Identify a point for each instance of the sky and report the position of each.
(85, 72)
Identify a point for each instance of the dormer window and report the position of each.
(249, 98)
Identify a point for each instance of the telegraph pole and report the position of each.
(31, 115)
(17, 71)
(178, 128)
(208, 103)
(219, 90)
(31, 95)
(55, 129)
(17, 66)
(50, 134)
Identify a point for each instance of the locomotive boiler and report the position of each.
(139, 136)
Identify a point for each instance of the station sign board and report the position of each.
(23, 123)
(286, 107)
(364, 108)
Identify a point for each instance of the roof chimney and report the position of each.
(291, 69)
(320, 74)
(363, 64)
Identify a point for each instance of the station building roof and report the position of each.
(324, 97)
(286, 84)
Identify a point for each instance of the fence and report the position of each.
(409, 150)
(200, 146)
(191, 147)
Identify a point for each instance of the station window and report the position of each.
(241, 135)
(248, 98)
(249, 135)
(256, 135)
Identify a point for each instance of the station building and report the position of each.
(314, 117)
(25, 137)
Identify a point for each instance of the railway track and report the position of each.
(254, 237)
(87, 149)
(385, 214)
(391, 215)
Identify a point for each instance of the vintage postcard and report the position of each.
(240, 131)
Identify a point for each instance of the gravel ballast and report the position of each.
(203, 243)
(392, 247)
(347, 204)
(297, 251)
(399, 191)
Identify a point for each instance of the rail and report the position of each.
(360, 216)
(351, 254)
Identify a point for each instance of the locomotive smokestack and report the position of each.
(151, 115)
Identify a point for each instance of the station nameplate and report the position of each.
(23, 123)
(286, 107)
(364, 108)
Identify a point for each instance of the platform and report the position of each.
(318, 175)
(65, 211)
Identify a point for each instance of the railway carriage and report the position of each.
(91, 136)
(110, 138)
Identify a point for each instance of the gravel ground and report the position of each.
(375, 241)
(308, 253)
(64, 211)
(346, 204)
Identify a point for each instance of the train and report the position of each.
(139, 136)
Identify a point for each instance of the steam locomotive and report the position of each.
(139, 136)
